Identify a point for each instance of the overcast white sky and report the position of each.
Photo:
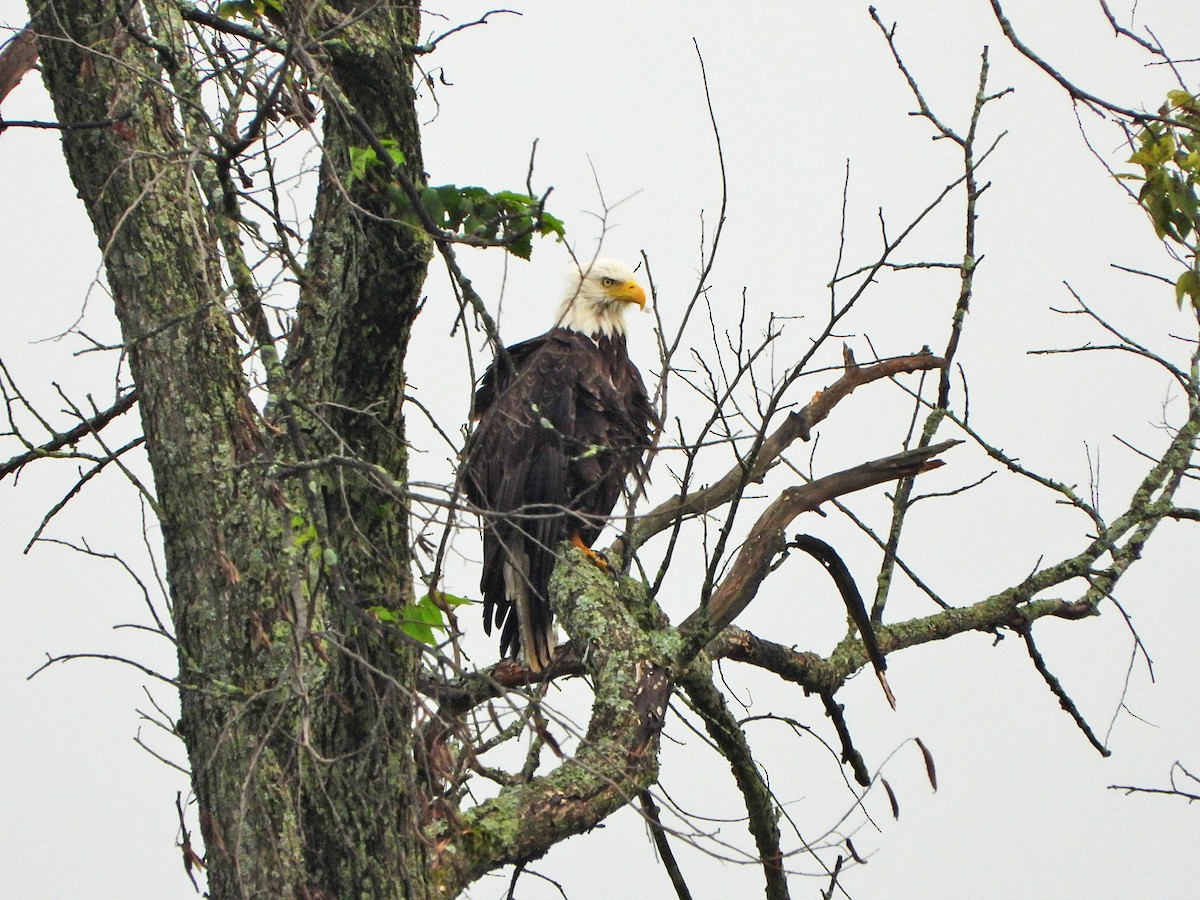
(1022, 807)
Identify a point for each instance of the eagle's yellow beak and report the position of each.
(629, 292)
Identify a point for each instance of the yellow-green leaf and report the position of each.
(1188, 285)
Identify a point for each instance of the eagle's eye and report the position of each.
(608, 282)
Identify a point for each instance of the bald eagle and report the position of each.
(563, 419)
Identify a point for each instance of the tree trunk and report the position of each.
(297, 718)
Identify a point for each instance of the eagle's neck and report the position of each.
(594, 318)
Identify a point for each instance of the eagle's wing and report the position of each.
(517, 469)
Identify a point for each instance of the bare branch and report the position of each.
(766, 539)
(763, 815)
(1125, 32)
(85, 428)
(431, 45)
(798, 424)
(1059, 691)
(850, 755)
(1076, 93)
(108, 657)
(1173, 791)
(665, 853)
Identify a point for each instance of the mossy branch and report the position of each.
(761, 810)
(630, 667)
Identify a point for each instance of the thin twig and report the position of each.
(1060, 692)
(665, 853)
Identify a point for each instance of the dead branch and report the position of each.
(107, 657)
(1125, 32)
(766, 539)
(17, 57)
(1076, 93)
(1015, 608)
(852, 598)
(761, 809)
(1173, 791)
(114, 456)
(798, 424)
(850, 755)
(788, 663)
(665, 853)
(1064, 699)
(901, 500)
(431, 45)
(85, 428)
(827, 894)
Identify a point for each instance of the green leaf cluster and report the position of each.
(1169, 156)
(419, 620)
(365, 162)
(507, 217)
(304, 537)
(250, 10)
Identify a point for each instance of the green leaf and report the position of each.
(303, 532)
(393, 151)
(397, 198)
(1169, 156)
(521, 246)
(509, 217)
(421, 619)
(549, 224)
(365, 162)
(513, 199)
(362, 159)
(1155, 150)
(1188, 285)
(419, 631)
(240, 9)
(431, 199)
(1182, 100)
(247, 9)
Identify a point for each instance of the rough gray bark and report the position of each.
(293, 747)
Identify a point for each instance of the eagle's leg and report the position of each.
(597, 559)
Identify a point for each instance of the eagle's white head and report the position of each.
(597, 296)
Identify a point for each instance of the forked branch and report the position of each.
(86, 427)
(767, 539)
(798, 424)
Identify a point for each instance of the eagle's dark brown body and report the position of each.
(563, 419)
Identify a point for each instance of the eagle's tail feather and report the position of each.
(534, 627)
